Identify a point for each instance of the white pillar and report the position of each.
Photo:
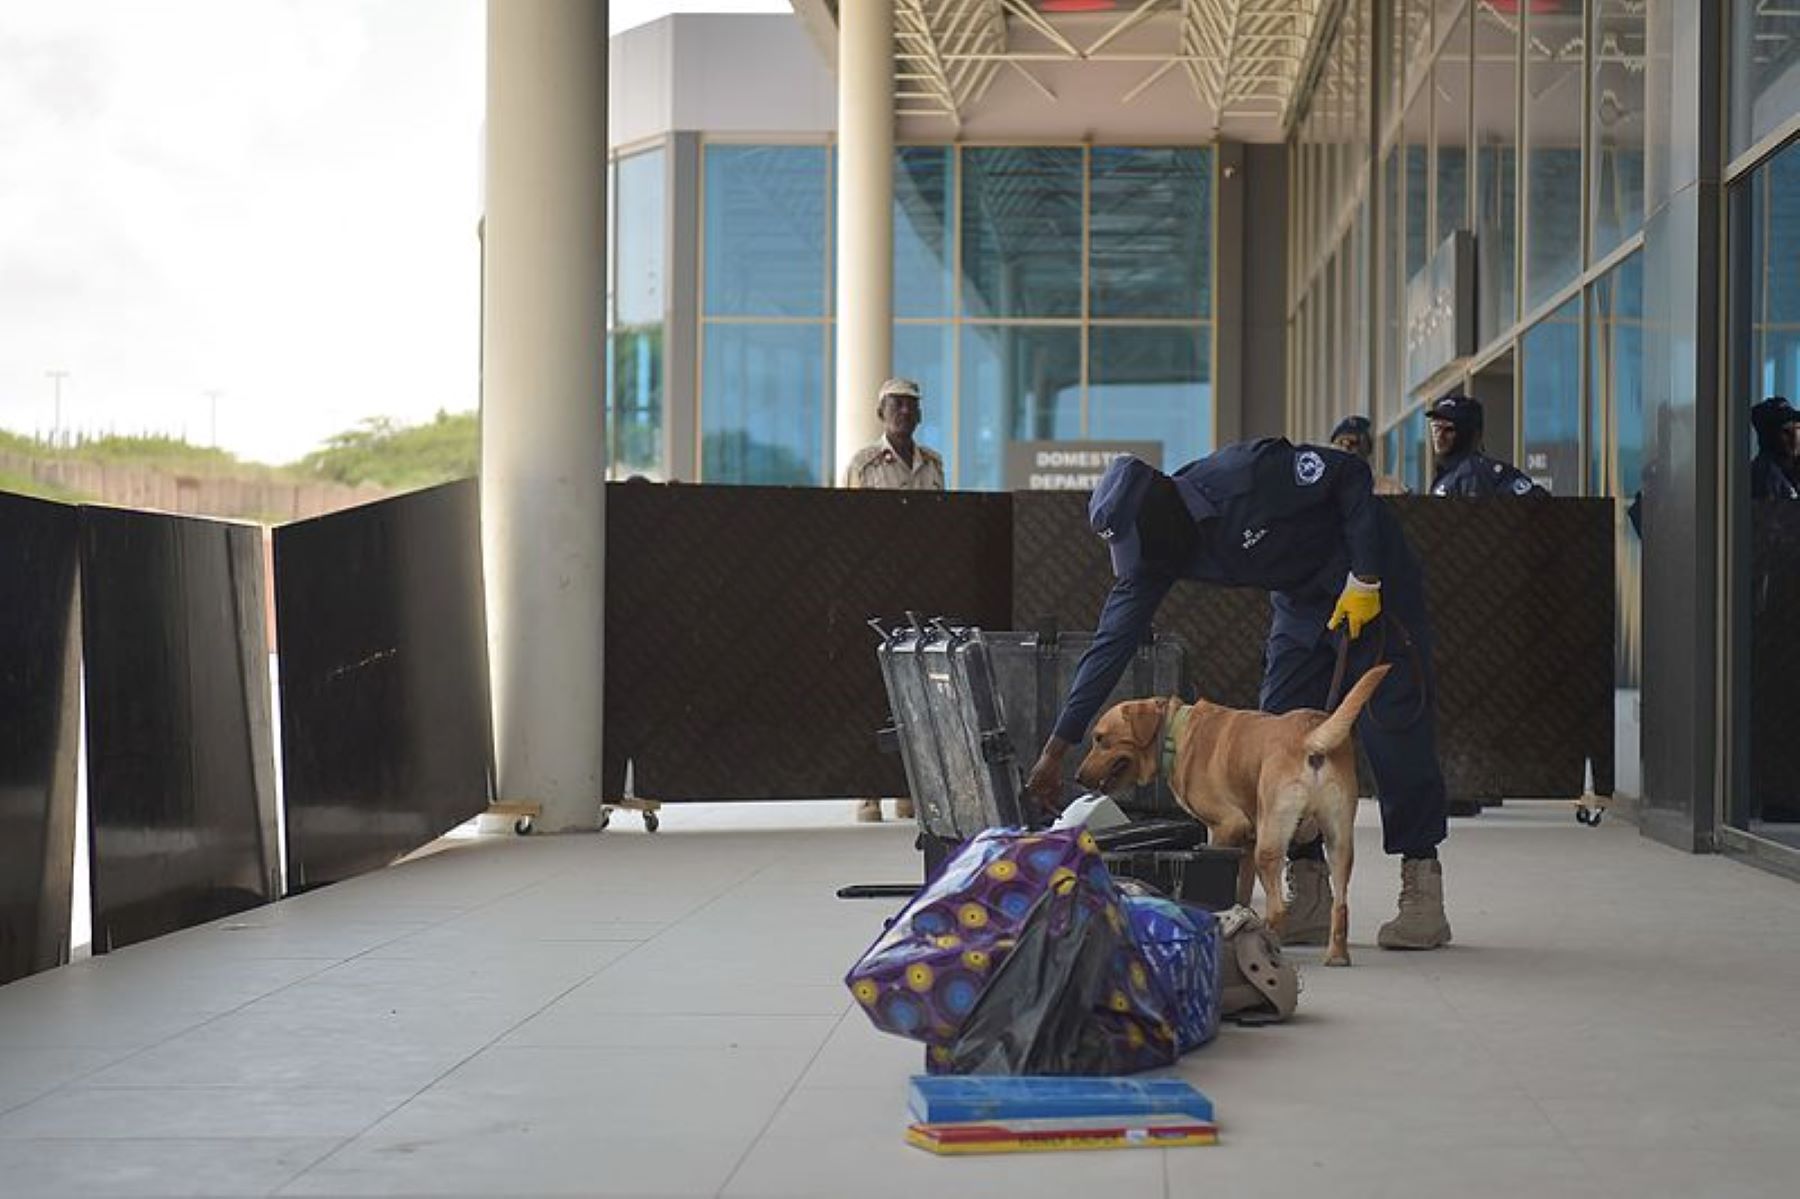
(865, 220)
(542, 431)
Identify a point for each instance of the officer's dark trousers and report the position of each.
(1400, 739)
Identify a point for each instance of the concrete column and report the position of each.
(865, 220)
(543, 448)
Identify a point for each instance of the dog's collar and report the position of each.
(1172, 729)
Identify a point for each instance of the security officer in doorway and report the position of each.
(1777, 463)
(1301, 523)
(1355, 435)
(1462, 469)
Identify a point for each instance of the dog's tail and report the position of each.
(1336, 729)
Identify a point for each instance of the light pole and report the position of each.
(214, 395)
(56, 380)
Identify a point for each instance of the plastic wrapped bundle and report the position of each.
(1017, 958)
(1181, 945)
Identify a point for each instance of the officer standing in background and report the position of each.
(1301, 523)
(1461, 468)
(895, 463)
(1776, 467)
(1354, 435)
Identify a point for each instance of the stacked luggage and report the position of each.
(970, 709)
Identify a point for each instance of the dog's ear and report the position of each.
(1145, 718)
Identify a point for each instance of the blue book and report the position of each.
(967, 1098)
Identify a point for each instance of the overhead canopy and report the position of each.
(1094, 68)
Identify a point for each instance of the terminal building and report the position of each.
(1109, 223)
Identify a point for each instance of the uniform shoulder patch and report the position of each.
(1309, 468)
(1521, 486)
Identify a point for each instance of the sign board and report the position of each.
(1440, 309)
(1069, 465)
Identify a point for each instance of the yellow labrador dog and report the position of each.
(1253, 779)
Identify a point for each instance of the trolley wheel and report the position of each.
(1586, 815)
(651, 822)
(522, 826)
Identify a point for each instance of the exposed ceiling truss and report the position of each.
(1241, 58)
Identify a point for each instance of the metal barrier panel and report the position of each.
(739, 664)
(1521, 597)
(181, 797)
(385, 729)
(40, 707)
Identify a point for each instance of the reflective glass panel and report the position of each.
(1552, 401)
(922, 234)
(635, 359)
(639, 204)
(1553, 71)
(922, 354)
(1618, 123)
(1765, 48)
(1019, 383)
(1496, 173)
(1021, 231)
(765, 230)
(1149, 245)
(1418, 184)
(1450, 107)
(1616, 393)
(763, 400)
(1153, 384)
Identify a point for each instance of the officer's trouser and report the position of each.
(1399, 737)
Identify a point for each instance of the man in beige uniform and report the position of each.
(895, 463)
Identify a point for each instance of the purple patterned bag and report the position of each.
(1017, 958)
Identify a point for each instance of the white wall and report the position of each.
(720, 74)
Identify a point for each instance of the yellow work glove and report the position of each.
(1359, 604)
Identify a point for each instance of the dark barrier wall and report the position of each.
(385, 734)
(40, 705)
(181, 798)
(739, 664)
(1521, 598)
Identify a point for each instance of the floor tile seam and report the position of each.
(491, 1043)
(786, 1095)
(325, 966)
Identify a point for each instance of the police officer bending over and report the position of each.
(1301, 523)
(1462, 469)
(1776, 467)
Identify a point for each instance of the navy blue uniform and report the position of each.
(1475, 474)
(1768, 481)
(1294, 520)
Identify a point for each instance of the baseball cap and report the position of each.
(1462, 411)
(1113, 509)
(898, 387)
(1773, 414)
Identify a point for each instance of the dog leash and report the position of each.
(1409, 647)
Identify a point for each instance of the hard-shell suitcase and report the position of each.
(972, 708)
(961, 766)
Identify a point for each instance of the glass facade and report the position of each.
(1553, 116)
(765, 333)
(1039, 292)
(634, 408)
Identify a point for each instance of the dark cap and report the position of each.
(1357, 426)
(1462, 411)
(1773, 415)
(1113, 509)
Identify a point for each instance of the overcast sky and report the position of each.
(273, 199)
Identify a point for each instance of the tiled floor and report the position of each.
(633, 1015)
